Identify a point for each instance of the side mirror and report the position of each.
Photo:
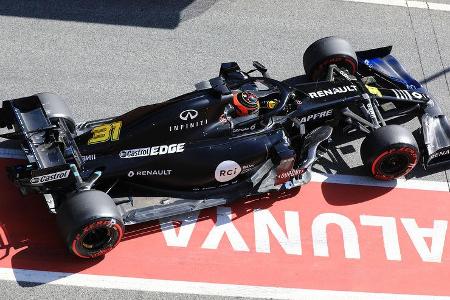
(261, 68)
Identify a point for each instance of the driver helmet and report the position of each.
(246, 103)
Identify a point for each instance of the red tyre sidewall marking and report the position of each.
(95, 225)
(412, 153)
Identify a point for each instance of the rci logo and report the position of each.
(227, 170)
(189, 114)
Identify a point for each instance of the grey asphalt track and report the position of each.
(38, 292)
(107, 57)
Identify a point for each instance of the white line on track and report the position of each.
(415, 184)
(199, 288)
(407, 3)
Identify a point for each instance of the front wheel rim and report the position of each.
(394, 163)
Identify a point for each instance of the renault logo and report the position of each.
(189, 114)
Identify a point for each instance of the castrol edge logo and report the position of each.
(151, 151)
(50, 177)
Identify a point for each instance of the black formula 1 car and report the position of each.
(194, 151)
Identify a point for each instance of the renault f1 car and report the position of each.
(192, 152)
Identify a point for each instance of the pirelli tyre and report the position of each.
(90, 223)
(389, 152)
(328, 51)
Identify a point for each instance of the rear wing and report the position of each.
(47, 143)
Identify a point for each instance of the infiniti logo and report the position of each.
(191, 119)
(189, 114)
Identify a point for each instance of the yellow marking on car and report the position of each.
(272, 104)
(105, 132)
(374, 91)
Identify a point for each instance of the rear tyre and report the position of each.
(56, 108)
(90, 223)
(329, 51)
(389, 152)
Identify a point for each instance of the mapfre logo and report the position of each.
(227, 170)
(189, 114)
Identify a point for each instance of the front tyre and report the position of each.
(90, 223)
(328, 51)
(389, 152)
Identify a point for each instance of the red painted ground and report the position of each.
(29, 240)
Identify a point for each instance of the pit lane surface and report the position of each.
(107, 58)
